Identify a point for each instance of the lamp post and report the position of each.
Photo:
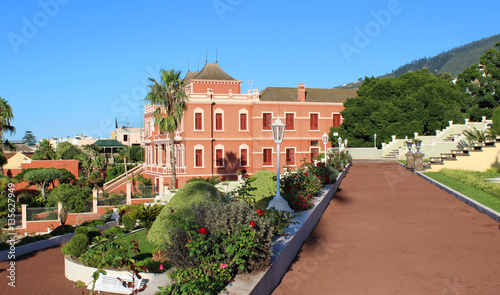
(375, 140)
(345, 143)
(325, 141)
(278, 129)
(339, 141)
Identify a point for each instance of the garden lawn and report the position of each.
(471, 192)
(145, 246)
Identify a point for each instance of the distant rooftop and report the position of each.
(108, 143)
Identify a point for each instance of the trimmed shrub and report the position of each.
(128, 222)
(496, 120)
(78, 245)
(182, 204)
(81, 230)
(259, 189)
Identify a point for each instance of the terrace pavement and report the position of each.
(388, 231)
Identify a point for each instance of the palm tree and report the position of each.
(169, 93)
(5, 117)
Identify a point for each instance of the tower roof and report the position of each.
(212, 71)
(190, 75)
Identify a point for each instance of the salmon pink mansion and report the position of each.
(224, 131)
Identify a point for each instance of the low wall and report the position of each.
(285, 248)
(365, 153)
(75, 271)
(31, 247)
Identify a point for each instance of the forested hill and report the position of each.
(453, 61)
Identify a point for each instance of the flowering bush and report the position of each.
(302, 183)
(326, 173)
(214, 244)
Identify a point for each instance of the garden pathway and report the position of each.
(388, 231)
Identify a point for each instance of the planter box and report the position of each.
(75, 271)
(285, 248)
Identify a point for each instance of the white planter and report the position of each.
(75, 271)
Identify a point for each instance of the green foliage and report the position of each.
(128, 222)
(78, 245)
(29, 138)
(81, 230)
(207, 279)
(483, 83)
(42, 177)
(218, 241)
(473, 179)
(258, 189)
(45, 151)
(76, 200)
(414, 102)
(299, 188)
(474, 135)
(147, 214)
(112, 231)
(496, 120)
(66, 151)
(115, 171)
(211, 179)
(182, 203)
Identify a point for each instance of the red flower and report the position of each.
(305, 174)
(319, 177)
(203, 231)
(260, 212)
(252, 223)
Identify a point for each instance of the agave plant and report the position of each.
(147, 214)
(474, 135)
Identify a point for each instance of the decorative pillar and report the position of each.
(59, 208)
(24, 216)
(161, 189)
(419, 161)
(129, 193)
(94, 201)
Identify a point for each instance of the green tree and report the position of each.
(42, 178)
(414, 102)
(6, 116)
(29, 138)
(483, 83)
(72, 197)
(45, 151)
(66, 151)
(169, 94)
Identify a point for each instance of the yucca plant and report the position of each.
(147, 214)
(475, 135)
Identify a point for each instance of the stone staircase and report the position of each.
(456, 154)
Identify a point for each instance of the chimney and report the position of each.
(302, 92)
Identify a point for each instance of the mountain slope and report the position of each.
(453, 61)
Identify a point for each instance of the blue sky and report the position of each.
(69, 66)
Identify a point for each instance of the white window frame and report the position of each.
(199, 110)
(219, 147)
(243, 111)
(245, 147)
(202, 148)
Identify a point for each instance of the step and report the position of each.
(460, 152)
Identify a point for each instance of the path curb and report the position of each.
(473, 203)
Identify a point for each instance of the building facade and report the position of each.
(224, 132)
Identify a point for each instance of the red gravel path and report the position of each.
(388, 231)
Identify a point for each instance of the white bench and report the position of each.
(109, 283)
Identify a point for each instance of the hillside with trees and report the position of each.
(453, 61)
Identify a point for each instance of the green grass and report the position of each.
(145, 246)
(471, 192)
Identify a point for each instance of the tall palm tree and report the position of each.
(169, 93)
(6, 116)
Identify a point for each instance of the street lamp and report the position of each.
(345, 143)
(278, 129)
(339, 141)
(325, 141)
(375, 140)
